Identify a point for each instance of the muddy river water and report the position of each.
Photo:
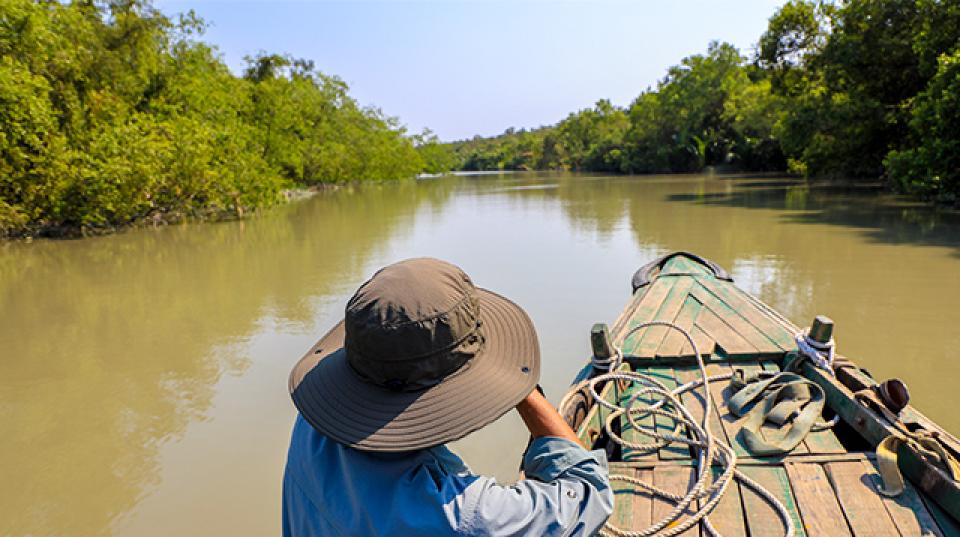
(143, 375)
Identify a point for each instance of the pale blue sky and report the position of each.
(477, 67)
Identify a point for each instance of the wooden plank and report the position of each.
(738, 301)
(762, 519)
(682, 264)
(737, 323)
(756, 461)
(633, 508)
(718, 390)
(646, 309)
(861, 503)
(705, 344)
(727, 517)
(627, 312)
(674, 450)
(632, 435)
(873, 428)
(907, 510)
(816, 501)
(723, 334)
(677, 480)
(674, 342)
(806, 458)
(694, 401)
(669, 308)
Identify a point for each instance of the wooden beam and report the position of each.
(874, 428)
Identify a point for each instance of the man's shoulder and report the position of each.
(309, 448)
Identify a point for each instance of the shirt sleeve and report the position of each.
(566, 492)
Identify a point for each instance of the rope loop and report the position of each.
(650, 397)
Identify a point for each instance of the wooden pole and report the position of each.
(821, 330)
(600, 342)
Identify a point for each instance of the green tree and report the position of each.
(931, 167)
(113, 113)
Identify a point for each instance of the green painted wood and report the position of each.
(694, 400)
(762, 520)
(674, 344)
(737, 300)
(818, 505)
(728, 339)
(646, 309)
(632, 435)
(676, 480)
(728, 517)
(736, 321)
(627, 313)
(719, 391)
(684, 265)
(705, 344)
(669, 309)
(676, 450)
(632, 508)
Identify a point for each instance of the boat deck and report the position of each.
(827, 483)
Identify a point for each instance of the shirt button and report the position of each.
(571, 494)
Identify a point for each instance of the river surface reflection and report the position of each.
(143, 375)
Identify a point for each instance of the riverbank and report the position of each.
(160, 219)
(860, 90)
(140, 122)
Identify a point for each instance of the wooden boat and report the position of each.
(828, 483)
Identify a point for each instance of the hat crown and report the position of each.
(412, 324)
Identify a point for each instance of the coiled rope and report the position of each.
(708, 449)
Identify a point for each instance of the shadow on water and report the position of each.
(881, 217)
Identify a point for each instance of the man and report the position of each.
(423, 358)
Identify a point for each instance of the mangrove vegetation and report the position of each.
(113, 113)
(853, 90)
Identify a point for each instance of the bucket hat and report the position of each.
(421, 358)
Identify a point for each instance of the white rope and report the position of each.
(821, 355)
(610, 363)
(708, 449)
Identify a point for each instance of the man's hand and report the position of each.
(542, 419)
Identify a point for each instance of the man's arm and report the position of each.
(542, 419)
(566, 492)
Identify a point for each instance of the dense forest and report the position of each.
(857, 89)
(112, 113)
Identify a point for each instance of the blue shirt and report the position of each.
(331, 489)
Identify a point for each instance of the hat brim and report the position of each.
(340, 405)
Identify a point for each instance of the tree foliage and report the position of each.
(712, 109)
(113, 113)
(859, 89)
